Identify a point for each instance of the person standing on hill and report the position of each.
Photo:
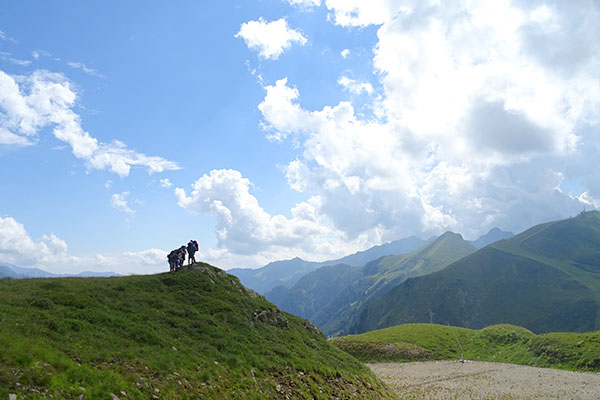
(172, 257)
(192, 248)
(181, 257)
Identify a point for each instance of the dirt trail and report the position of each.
(483, 380)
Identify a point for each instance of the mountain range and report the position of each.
(546, 279)
(14, 272)
(288, 272)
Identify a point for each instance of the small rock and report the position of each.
(12, 396)
(123, 393)
(81, 397)
(114, 396)
(157, 390)
(580, 343)
(174, 348)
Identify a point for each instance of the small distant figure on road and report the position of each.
(192, 248)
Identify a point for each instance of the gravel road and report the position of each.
(484, 380)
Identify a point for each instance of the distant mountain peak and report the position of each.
(493, 235)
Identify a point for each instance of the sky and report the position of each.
(274, 129)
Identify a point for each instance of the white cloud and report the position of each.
(270, 39)
(166, 183)
(486, 110)
(84, 68)
(353, 86)
(30, 103)
(305, 4)
(360, 13)
(7, 57)
(247, 234)
(17, 247)
(345, 53)
(5, 37)
(51, 253)
(119, 202)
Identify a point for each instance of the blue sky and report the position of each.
(280, 128)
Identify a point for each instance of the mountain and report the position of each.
(493, 235)
(22, 273)
(396, 247)
(277, 273)
(546, 279)
(331, 297)
(197, 333)
(7, 272)
(286, 273)
(315, 290)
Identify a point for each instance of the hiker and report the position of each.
(192, 248)
(172, 257)
(180, 258)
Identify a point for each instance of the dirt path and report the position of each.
(483, 380)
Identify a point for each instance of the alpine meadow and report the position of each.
(299, 199)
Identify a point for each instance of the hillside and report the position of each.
(332, 297)
(546, 279)
(498, 343)
(315, 290)
(194, 334)
(287, 272)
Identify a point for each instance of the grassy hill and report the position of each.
(197, 333)
(498, 343)
(546, 279)
(332, 297)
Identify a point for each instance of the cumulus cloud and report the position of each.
(345, 53)
(305, 4)
(51, 253)
(486, 110)
(17, 247)
(354, 86)
(119, 202)
(242, 225)
(166, 183)
(28, 104)
(270, 39)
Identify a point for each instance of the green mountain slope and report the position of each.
(332, 298)
(194, 334)
(286, 273)
(545, 279)
(498, 343)
(315, 290)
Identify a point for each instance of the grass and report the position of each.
(497, 343)
(193, 334)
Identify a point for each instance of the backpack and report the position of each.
(195, 245)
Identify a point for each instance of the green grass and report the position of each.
(497, 343)
(194, 334)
